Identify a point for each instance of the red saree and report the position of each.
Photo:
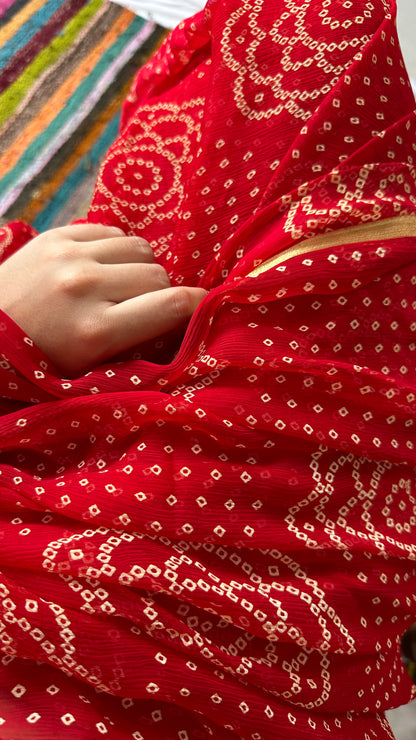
(214, 537)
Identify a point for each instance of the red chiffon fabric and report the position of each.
(213, 536)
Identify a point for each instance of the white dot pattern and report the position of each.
(214, 536)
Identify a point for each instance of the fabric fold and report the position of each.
(216, 538)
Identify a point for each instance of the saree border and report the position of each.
(385, 229)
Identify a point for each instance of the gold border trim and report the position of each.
(389, 228)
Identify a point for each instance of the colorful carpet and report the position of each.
(65, 68)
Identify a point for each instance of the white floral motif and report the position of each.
(155, 198)
(254, 85)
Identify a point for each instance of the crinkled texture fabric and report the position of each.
(214, 535)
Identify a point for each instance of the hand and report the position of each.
(86, 292)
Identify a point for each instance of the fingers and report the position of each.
(87, 232)
(119, 250)
(102, 244)
(86, 292)
(106, 244)
(148, 316)
(118, 283)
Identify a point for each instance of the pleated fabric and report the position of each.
(214, 535)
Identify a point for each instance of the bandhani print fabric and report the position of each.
(213, 536)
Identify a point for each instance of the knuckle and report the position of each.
(160, 276)
(50, 242)
(143, 246)
(57, 248)
(117, 230)
(181, 303)
(73, 279)
(66, 252)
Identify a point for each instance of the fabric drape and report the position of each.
(213, 535)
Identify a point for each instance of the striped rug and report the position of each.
(65, 68)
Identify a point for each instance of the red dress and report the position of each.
(214, 536)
